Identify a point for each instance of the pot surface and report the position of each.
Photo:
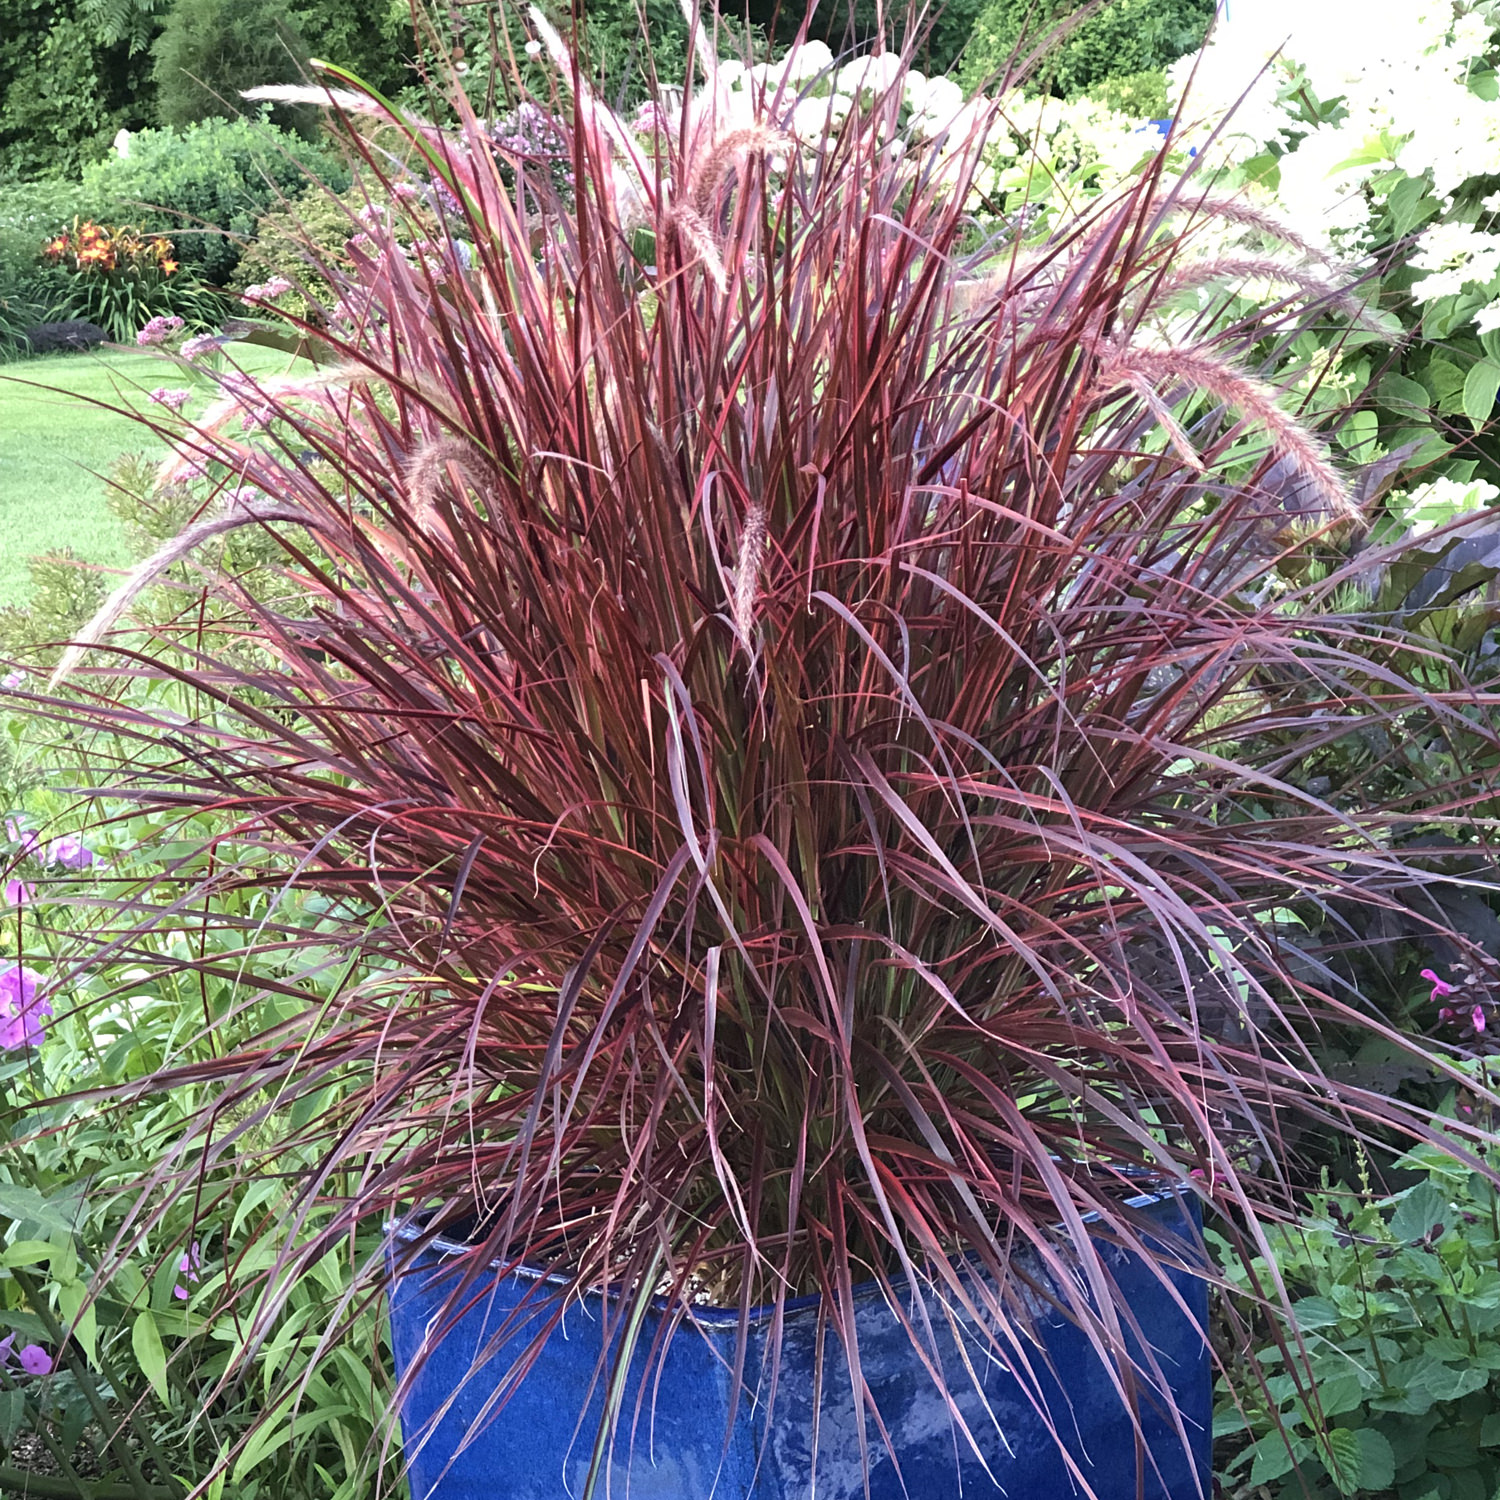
(675, 1441)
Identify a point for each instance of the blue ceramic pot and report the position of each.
(536, 1448)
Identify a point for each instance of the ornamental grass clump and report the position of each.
(786, 733)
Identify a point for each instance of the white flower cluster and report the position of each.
(1412, 78)
(1030, 146)
(1440, 501)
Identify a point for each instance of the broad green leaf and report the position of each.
(27, 1253)
(1275, 1455)
(1480, 389)
(1314, 1312)
(27, 1206)
(1419, 1212)
(1401, 394)
(1360, 1459)
(1489, 1431)
(145, 1339)
(1340, 1394)
(1410, 204)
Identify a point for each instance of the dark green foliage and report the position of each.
(1398, 1300)
(207, 185)
(211, 49)
(64, 91)
(372, 38)
(1125, 38)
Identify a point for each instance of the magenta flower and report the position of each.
(18, 893)
(13, 680)
(70, 852)
(1440, 987)
(22, 1008)
(158, 331)
(18, 833)
(1476, 1018)
(190, 1265)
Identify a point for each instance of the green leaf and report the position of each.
(1410, 204)
(1480, 389)
(1401, 394)
(1339, 1394)
(27, 1253)
(27, 1206)
(1314, 1312)
(1419, 1212)
(12, 1415)
(145, 1339)
(1275, 1455)
(1489, 1431)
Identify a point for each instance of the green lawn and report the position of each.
(55, 449)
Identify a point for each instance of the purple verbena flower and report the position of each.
(22, 1008)
(35, 1360)
(18, 893)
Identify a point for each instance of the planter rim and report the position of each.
(711, 1315)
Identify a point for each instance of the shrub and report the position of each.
(207, 185)
(786, 728)
(211, 49)
(1124, 38)
(1398, 1304)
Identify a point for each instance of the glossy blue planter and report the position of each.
(535, 1449)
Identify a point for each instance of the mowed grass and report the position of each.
(58, 439)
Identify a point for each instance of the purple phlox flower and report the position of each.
(18, 893)
(21, 1008)
(204, 343)
(1440, 987)
(158, 331)
(18, 833)
(174, 399)
(189, 1265)
(12, 681)
(70, 852)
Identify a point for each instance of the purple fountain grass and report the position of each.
(804, 771)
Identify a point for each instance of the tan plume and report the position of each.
(1251, 268)
(707, 176)
(241, 511)
(1128, 365)
(747, 571)
(428, 470)
(695, 236)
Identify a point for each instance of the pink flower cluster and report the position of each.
(264, 291)
(204, 343)
(22, 1008)
(158, 331)
(32, 1358)
(173, 399)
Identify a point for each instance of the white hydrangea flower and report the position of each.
(807, 62)
(1320, 194)
(935, 108)
(876, 74)
(1454, 256)
(1487, 319)
(1442, 500)
(1491, 204)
